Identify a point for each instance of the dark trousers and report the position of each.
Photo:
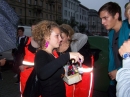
(18, 77)
(0, 75)
(112, 91)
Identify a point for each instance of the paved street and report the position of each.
(7, 86)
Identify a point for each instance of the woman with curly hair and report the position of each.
(49, 69)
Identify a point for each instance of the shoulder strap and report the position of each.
(26, 40)
(55, 54)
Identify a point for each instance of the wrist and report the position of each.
(126, 55)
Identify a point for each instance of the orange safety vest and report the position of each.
(28, 63)
(29, 56)
(83, 88)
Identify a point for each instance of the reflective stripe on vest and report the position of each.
(29, 56)
(28, 63)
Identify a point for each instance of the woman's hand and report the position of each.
(2, 62)
(77, 56)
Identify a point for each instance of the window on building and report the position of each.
(59, 17)
(29, 1)
(65, 3)
(93, 23)
(30, 22)
(77, 16)
(46, 6)
(41, 15)
(77, 7)
(53, 7)
(50, 7)
(93, 18)
(69, 3)
(65, 13)
(74, 6)
(20, 11)
(69, 14)
(29, 12)
(59, 9)
(53, 17)
(34, 14)
(35, 2)
(41, 3)
(46, 16)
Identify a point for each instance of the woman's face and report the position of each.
(65, 38)
(55, 38)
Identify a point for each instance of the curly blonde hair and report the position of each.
(67, 29)
(42, 30)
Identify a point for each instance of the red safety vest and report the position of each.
(83, 88)
(28, 63)
(29, 56)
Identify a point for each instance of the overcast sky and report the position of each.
(96, 4)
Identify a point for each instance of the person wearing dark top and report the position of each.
(18, 53)
(75, 42)
(110, 14)
(49, 69)
(2, 63)
(115, 48)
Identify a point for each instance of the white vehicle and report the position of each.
(8, 54)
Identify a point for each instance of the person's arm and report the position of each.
(81, 40)
(123, 74)
(123, 80)
(45, 67)
(2, 62)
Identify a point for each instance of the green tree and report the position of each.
(73, 22)
(82, 28)
(61, 21)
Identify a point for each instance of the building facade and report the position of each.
(66, 10)
(31, 10)
(83, 16)
(70, 9)
(94, 23)
(75, 11)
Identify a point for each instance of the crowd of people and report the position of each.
(35, 54)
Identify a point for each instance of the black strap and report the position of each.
(26, 40)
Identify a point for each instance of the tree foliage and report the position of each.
(82, 28)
